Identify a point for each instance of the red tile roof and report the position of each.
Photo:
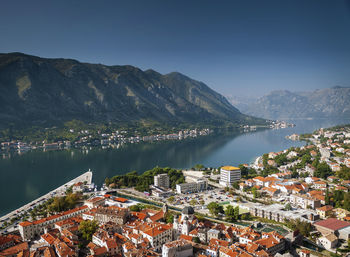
(120, 199)
(332, 224)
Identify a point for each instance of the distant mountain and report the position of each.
(324, 103)
(40, 91)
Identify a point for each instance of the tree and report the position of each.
(87, 228)
(244, 170)
(323, 170)
(214, 208)
(137, 207)
(346, 204)
(193, 202)
(199, 167)
(236, 213)
(201, 202)
(288, 207)
(230, 213)
(255, 192)
(327, 198)
(171, 199)
(196, 240)
(303, 227)
(235, 185)
(169, 217)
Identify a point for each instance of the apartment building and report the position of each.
(229, 175)
(161, 180)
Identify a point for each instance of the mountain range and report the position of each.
(42, 91)
(283, 104)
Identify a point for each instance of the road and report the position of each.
(87, 176)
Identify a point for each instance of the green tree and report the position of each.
(236, 213)
(193, 202)
(199, 167)
(323, 170)
(214, 208)
(255, 193)
(327, 198)
(87, 228)
(288, 207)
(169, 217)
(230, 213)
(346, 204)
(196, 240)
(171, 199)
(235, 185)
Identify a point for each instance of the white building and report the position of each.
(199, 185)
(29, 230)
(229, 175)
(161, 180)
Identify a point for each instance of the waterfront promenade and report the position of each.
(87, 176)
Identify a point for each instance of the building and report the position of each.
(29, 230)
(334, 226)
(157, 234)
(161, 180)
(199, 185)
(229, 175)
(276, 212)
(324, 211)
(178, 248)
(304, 201)
(111, 214)
(328, 242)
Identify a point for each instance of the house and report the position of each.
(94, 202)
(272, 163)
(329, 241)
(319, 185)
(78, 187)
(324, 211)
(291, 155)
(331, 226)
(304, 201)
(311, 180)
(331, 178)
(334, 166)
(177, 248)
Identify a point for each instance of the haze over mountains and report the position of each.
(324, 103)
(40, 91)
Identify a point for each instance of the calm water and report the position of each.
(25, 177)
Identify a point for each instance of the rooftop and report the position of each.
(332, 224)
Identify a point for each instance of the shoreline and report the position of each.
(87, 176)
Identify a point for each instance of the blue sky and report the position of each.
(236, 47)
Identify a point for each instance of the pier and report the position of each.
(87, 176)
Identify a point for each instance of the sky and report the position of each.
(238, 48)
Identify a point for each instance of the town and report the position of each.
(295, 202)
(86, 139)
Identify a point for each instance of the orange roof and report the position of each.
(325, 208)
(157, 216)
(50, 239)
(27, 223)
(14, 249)
(120, 199)
(186, 237)
(230, 168)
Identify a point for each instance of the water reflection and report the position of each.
(24, 177)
